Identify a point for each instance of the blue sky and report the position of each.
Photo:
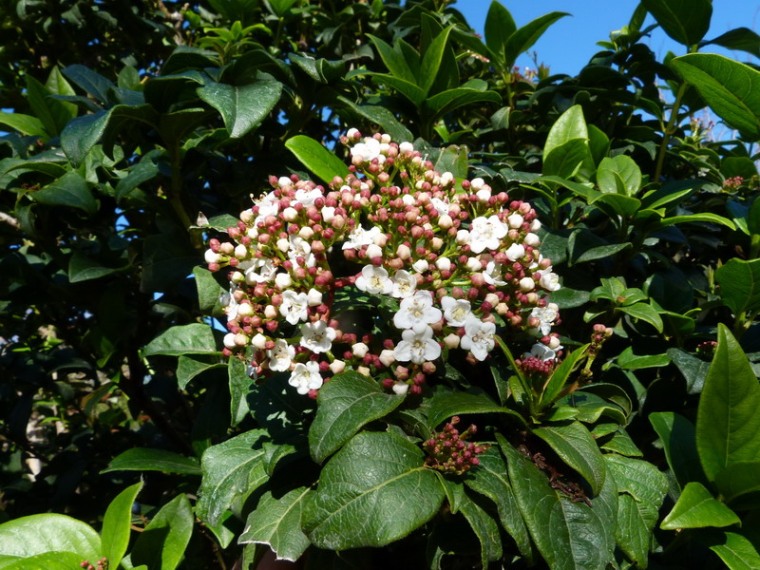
(568, 44)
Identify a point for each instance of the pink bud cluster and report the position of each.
(450, 452)
(455, 258)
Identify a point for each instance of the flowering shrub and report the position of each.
(438, 264)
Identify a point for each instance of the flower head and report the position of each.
(417, 345)
(415, 310)
(478, 337)
(306, 377)
(317, 337)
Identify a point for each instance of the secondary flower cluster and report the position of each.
(450, 452)
(381, 271)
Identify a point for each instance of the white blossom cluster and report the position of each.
(453, 258)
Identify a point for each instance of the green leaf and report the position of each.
(82, 268)
(163, 542)
(620, 168)
(728, 425)
(232, 470)
(679, 442)
(707, 217)
(347, 403)
(694, 370)
(499, 27)
(92, 82)
(730, 88)
(240, 384)
(374, 491)
(697, 508)
(314, 156)
(739, 282)
(82, 133)
(644, 312)
(686, 21)
(188, 368)
(575, 446)
(630, 361)
(53, 113)
(117, 524)
(642, 489)
(25, 124)
(742, 39)
(523, 39)
(38, 534)
(143, 171)
(737, 552)
(242, 107)
(561, 375)
(183, 339)
(70, 190)
(566, 159)
(452, 99)
(490, 480)
(381, 116)
(431, 61)
(281, 7)
(151, 459)
(277, 523)
(46, 561)
(484, 527)
(620, 204)
(394, 60)
(570, 535)
(445, 404)
(738, 479)
(570, 126)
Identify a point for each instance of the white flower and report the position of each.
(368, 150)
(416, 310)
(359, 237)
(305, 377)
(455, 311)
(421, 265)
(328, 213)
(492, 275)
(400, 388)
(527, 284)
(515, 221)
(387, 357)
(337, 366)
(317, 337)
(546, 317)
(374, 280)
(440, 206)
(478, 337)
(550, 281)
(232, 306)
(229, 341)
(314, 297)
(486, 233)
(299, 247)
(446, 179)
(404, 284)
(531, 239)
(212, 257)
(294, 306)
(281, 356)
(515, 252)
(308, 197)
(284, 182)
(259, 270)
(406, 147)
(543, 352)
(359, 349)
(259, 341)
(283, 280)
(477, 183)
(443, 264)
(268, 205)
(417, 345)
(373, 251)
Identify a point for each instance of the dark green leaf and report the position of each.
(240, 384)
(566, 159)
(484, 527)
(644, 312)
(151, 459)
(693, 369)
(561, 375)
(314, 156)
(728, 425)
(82, 133)
(189, 367)
(47, 561)
(431, 61)
(742, 39)
(698, 218)
(445, 404)
(622, 168)
(524, 38)
(381, 116)
(686, 21)
(499, 27)
(184, 339)
(242, 107)
(739, 282)
(25, 124)
(38, 534)
(738, 479)
(737, 552)
(232, 470)
(347, 403)
(70, 190)
(142, 172)
(82, 268)
(451, 99)
(367, 487)
(394, 60)
(575, 446)
(163, 542)
(117, 524)
(697, 508)
(730, 88)
(571, 125)
(277, 523)
(630, 361)
(679, 442)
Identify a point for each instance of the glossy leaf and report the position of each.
(92, 82)
(25, 124)
(678, 437)
(728, 425)
(232, 470)
(686, 21)
(499, 27)
(571, 125)
(56, 560)
(82, 268)
(145, 170)
(575, 446)
(730, 88)
(117, 524)
(347, 403)
(314, 156)
(163, 542)
(152, 459)
(738, 479)
(619, 173)
(630, 361)
(565, 160)
(702, 217)
(739, 282)
(276, 522)
(697, 508)
(644, 312)
(240, 385)
(737, 552)
(70, 190)
(523, 38)
(189, 367)
(562, 375)
(452, 99)
(445, 404)
(53, 113)
(484, 527)
(38, 534)
(183, 339)
(394, 59)
(242, 107)
(742, 39)
(642, 489)
(367, 487)
(694, 370)
(431, 61)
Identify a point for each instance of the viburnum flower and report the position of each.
(546, 317)
(368, 150)
(417, 346)
(550, 281)
(306, 377)
(281, 356)
(294, 306)
(359, 237)
(478, 337)
(404, 284)
(317, 337)
(415, 310)
(374, 280)
(455, 311)
(486, 233)
(542, 352)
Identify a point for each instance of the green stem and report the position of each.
(668, 131)
(175, 195)
(520, 377)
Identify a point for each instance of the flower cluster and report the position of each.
(451, 260)
(450, 452)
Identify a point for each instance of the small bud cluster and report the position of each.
(452, 258)
(450, 452)
(733, 183)
(599, 336)
(101, 564)
(706, 349)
